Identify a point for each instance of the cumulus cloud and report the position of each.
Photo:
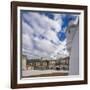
(39, 34)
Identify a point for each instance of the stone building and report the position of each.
(24, 62)
(38, 64)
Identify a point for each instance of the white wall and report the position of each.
(74, 57)
(5, 45)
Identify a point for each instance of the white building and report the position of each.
(73, 48)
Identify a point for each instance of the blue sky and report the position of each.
(43, 33)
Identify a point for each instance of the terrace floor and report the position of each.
(37, 73)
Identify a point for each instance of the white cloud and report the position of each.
(45, 45)
(27, 42)
(26, 29)
(34, 23)
(51, 35)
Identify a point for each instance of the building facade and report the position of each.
(73, 48)
(37, 64)
(24, 62)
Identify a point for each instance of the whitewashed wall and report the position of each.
(74, 58)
